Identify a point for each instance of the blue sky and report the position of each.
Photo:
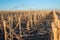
(29, 4)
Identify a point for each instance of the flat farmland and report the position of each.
(29, 25)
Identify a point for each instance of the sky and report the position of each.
(29, 4)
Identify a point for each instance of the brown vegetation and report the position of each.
(21, 24)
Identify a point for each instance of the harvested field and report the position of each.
(29, 25)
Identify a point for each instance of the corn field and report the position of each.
(29, 25)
